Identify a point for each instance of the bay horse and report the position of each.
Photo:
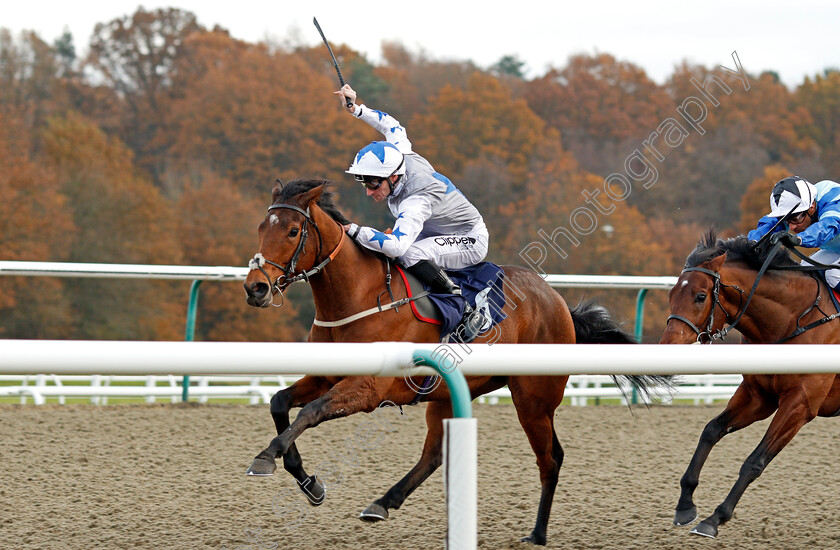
(347, 279)
(784, 303)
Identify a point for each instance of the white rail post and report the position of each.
(151, 382)
(460, 448)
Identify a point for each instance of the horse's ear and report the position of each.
(278, 188)
(311, 196)
(717, 263)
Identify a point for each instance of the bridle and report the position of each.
(720, 334)
(707, 336)
(288, 272)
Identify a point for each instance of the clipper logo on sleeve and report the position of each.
(446, 241)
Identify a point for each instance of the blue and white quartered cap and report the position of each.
(379, 158)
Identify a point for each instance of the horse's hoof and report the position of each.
(705, 530)
(374, 512)
(314, 490)
(262, 466)
(684, 517)
(534, 539)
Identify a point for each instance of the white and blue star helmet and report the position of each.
(380, 159)
(790, 196)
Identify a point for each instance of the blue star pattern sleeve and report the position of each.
(414, 212)
(764, 225)
(386, 125)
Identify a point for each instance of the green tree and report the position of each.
(509, 65)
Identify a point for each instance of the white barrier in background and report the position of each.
(259, 389)
(123, 271)
(229, 273)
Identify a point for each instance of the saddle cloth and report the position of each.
(481, 285)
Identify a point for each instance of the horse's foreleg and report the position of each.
(536, 399)
(795, 410)
(744, 408)
(300, 393)
(429, 461)
(348, 396)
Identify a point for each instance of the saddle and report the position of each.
(423, 308)
(481, 285)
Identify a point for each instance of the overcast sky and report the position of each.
(795, 39)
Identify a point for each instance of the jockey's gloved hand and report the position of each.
(788, 239)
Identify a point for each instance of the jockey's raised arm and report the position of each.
(436, 227)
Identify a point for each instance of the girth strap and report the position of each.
(362, 314)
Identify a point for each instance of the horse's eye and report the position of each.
(700, 298)
(293, 232)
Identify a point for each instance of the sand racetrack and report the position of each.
(172, 476)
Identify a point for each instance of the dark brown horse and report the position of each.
(712, 291)
(347, 279)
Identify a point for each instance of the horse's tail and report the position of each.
(595, 325)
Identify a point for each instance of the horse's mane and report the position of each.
(299, 186)
(737, 249)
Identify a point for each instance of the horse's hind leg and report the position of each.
(797, 407)
(536, 399)
(745, 407)
(429, 461)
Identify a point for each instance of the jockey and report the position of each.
(436, 227)
(812, 214)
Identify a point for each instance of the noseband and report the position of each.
(288, 272)
(707, 336)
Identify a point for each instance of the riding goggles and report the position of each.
(375, 182)
(370, 182)
(796, 218)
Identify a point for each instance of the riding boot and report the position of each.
(435, 277)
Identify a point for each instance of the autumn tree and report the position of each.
(481, 121)
(249, 116)
(755, 202)
(121, 218)
(415, 78)
(34, 226)
(821, 97)
(702, 180)
(31, 81)
(222, 227)
(768, 109)
(598, 103)
(135, 55)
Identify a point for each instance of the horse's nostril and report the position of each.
(256, 290)
(260, 289)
